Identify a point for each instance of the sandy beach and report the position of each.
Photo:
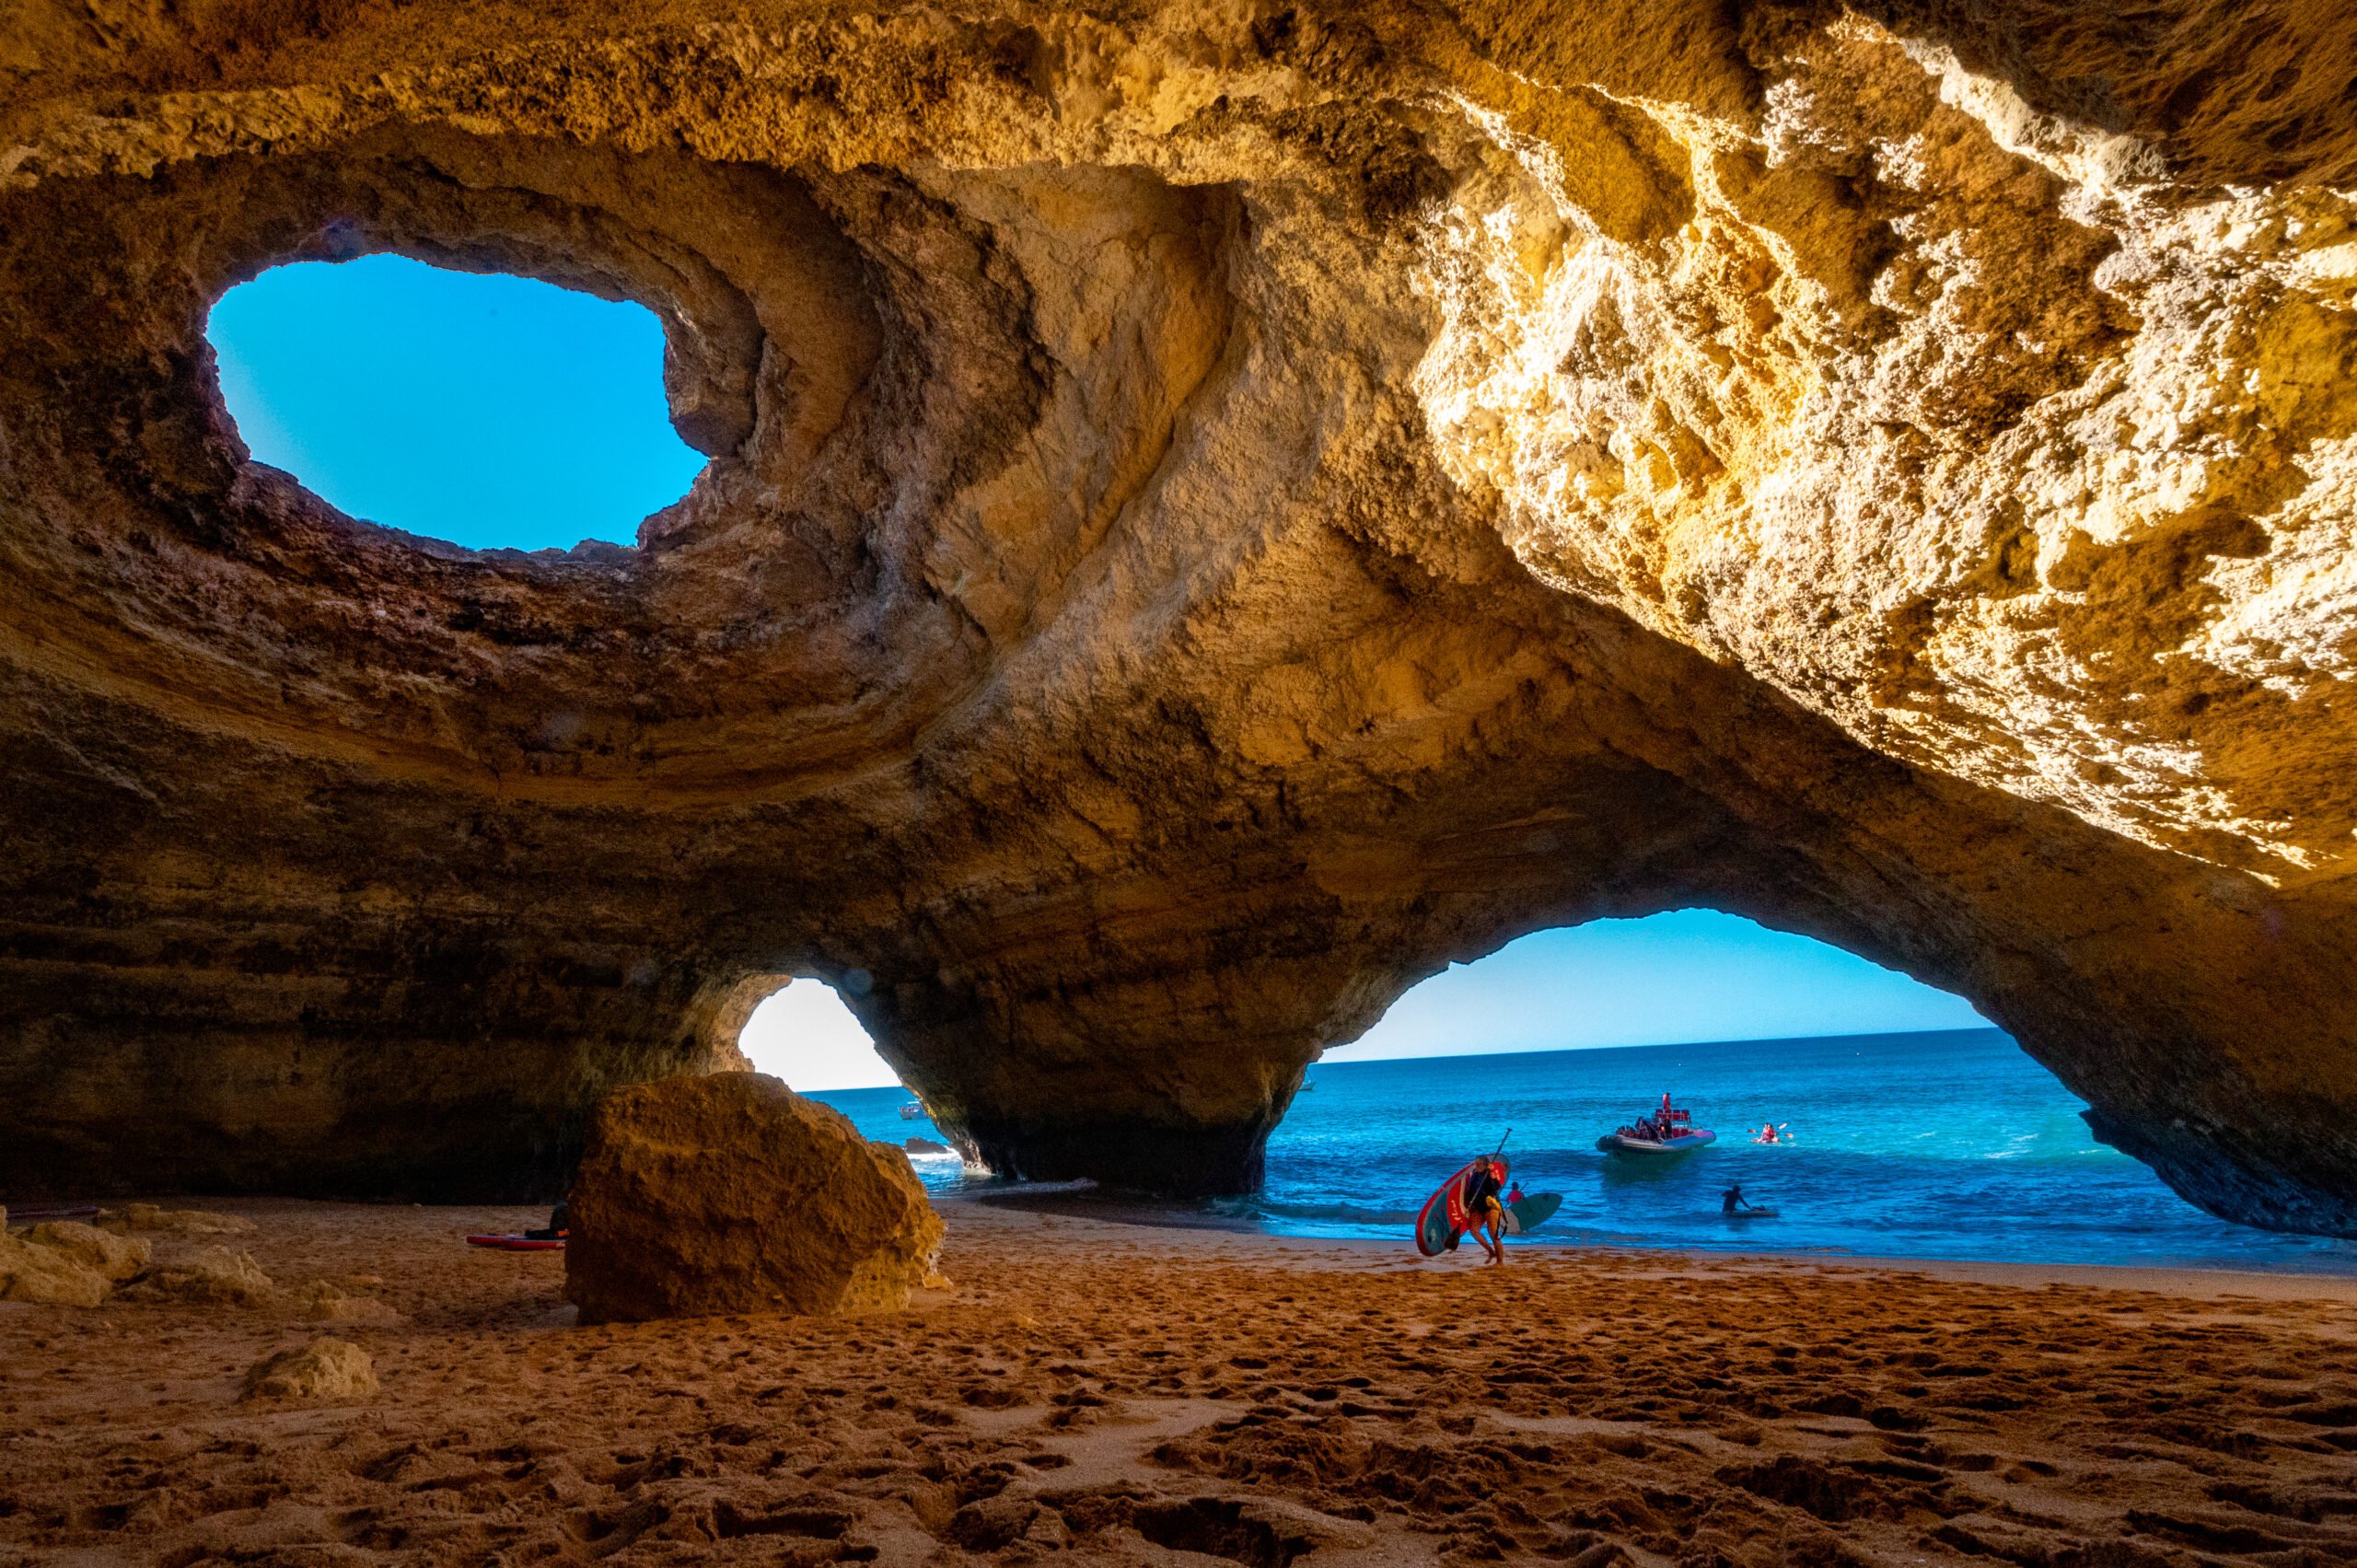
(1109, 1391)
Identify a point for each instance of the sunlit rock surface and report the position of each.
(729, 1193)
(1215, 512)
(64, 1264)
(324, 1369)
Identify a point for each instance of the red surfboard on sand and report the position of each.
(516, 1243)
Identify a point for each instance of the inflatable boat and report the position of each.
(1686, 1138)
(1664, 1131)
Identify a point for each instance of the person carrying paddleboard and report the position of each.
(1483, 1208)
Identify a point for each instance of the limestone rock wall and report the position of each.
(1214, 513)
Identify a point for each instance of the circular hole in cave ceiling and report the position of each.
(488, 411)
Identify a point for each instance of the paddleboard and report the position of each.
(1442, 1219)
(1531, 1209)
(516, 1243)
(1750, 1214)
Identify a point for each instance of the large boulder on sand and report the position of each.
(732, 1193)
(44, 1274)
(113, 1258)
(61, 1263)
(51, 1265)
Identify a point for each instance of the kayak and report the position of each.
(517, 1243)
(1620, 1144)
(1530, 1210)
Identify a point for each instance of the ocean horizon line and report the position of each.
(1557, 1051)
(1660, 1045)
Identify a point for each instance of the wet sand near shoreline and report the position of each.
(1085, 1201)
(1102, 1391)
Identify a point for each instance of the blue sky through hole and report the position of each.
(489, 411)
(1668, 979)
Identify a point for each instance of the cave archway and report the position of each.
(804, 1034)
(1906, 1124)
(1176, 568)
(1690, 975)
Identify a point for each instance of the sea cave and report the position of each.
(1181, 524)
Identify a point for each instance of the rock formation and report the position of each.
(324, 1369)
(729, 1193)
(110, 1257)
(208, 1276)
(61, 1264)
(1215, 512)
(136, 1219)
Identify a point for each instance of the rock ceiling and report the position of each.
(1215, 512)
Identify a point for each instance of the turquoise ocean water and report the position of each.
(1921, 1145)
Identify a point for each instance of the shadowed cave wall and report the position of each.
(1211, 519)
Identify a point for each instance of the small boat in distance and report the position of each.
(1663, 1132)
(912, 1111)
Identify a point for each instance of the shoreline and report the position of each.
(2189, 1280)
(1074, 1202)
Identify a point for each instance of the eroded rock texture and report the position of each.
(697, 1197)
(1213, 512)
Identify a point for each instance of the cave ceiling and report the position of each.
(1214, 513)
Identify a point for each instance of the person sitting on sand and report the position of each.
(1733, 1200)
(1482, 1206)
(560, 1223)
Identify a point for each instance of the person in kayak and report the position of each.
(1483, 1209)
(1731, 1200)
